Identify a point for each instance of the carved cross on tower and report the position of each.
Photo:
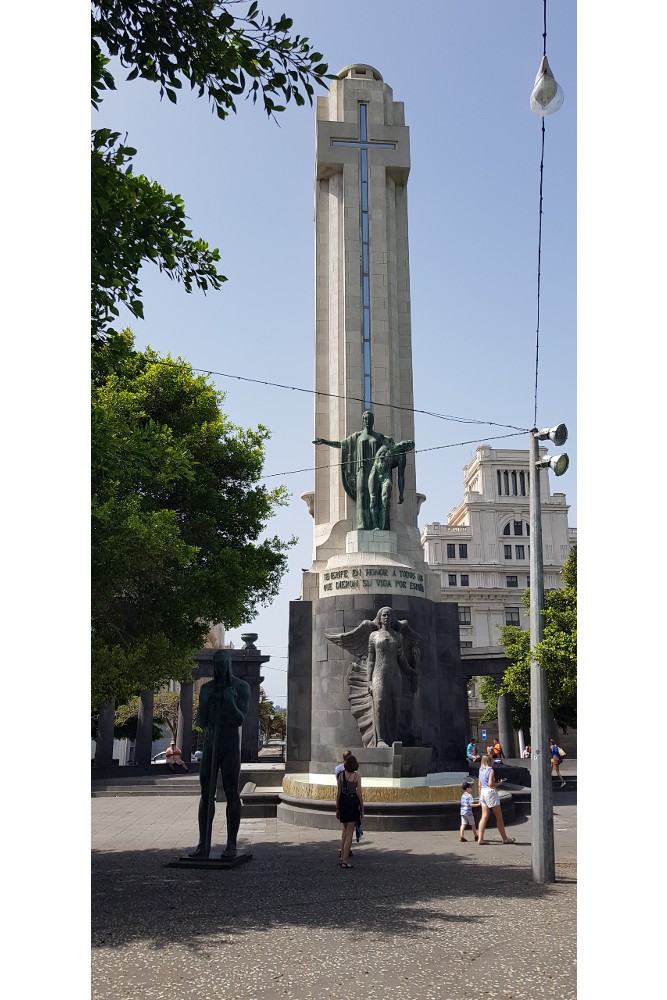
(346, 148)
(363, 145)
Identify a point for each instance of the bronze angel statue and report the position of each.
(384, 677)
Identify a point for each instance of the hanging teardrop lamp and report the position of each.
(547, 96)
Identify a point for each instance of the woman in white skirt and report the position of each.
(490, 800)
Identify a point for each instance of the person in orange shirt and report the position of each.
(497, 752)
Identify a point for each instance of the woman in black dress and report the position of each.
(349, 805)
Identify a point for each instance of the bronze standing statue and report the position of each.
(359, 453)
(223, 703)
(387, 653)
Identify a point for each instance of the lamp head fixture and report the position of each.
(556, 434)
(547, 96)
(557, 463)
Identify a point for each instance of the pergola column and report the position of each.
(144, 744)
(104, 735)
(184, 733)
(505, 728)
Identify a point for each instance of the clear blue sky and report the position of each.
(473, 198)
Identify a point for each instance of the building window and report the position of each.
(506, 529)
(506, 483)
(463, 551)
(527, 528)
(522, 483)
(464, 616)
(451, 551)
(466, 644)
(519, 549)
(508, 550)
(512, 616)
(500, 485)
(512, 581)
(514, 489)
(465, 580)
(452, 579)
(518, 527)
(528, 583)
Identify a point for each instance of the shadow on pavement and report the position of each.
(136, 898)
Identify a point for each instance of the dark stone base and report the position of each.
(321, 719)
(319, 814)
(396, 761)
(216, 863)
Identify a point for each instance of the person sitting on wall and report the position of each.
(174, 757)
(471, 753)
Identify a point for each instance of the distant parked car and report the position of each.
(161, 758)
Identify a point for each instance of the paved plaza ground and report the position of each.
(420, 915)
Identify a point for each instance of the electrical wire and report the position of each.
(333, 395)
(539, 233)
(418, 451)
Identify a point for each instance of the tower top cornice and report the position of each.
(359, 69)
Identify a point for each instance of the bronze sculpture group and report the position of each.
(367, 461)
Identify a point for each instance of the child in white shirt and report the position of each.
(466, 811)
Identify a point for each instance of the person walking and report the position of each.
(466, 812)
(349, 806)
(341, 767)
(490, 800)
(556, 758)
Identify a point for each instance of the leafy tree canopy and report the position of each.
(224, 51)
(165, 711)
(556, 653)
(177, 513)
(272, 721)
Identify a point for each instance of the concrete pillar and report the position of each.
(505, 729)
(299, 686)
(144, 745)
(184, 732)
(104, 735)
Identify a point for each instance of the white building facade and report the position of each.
(482, 553)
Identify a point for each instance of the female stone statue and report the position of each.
(387, 663)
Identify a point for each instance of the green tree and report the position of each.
(165, 712)
(279, 727)
(177, 513)
(272, 720)
(557, 654)
(222, 50)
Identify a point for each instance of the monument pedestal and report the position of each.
(396, 761)
(321, 720)
(215, 863)
(432, 802)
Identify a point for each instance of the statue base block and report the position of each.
(396, 761)
(216, 863)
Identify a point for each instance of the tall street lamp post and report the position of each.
(541, 794)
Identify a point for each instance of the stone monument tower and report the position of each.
(367, 554)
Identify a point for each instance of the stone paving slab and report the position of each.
(421, 915)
